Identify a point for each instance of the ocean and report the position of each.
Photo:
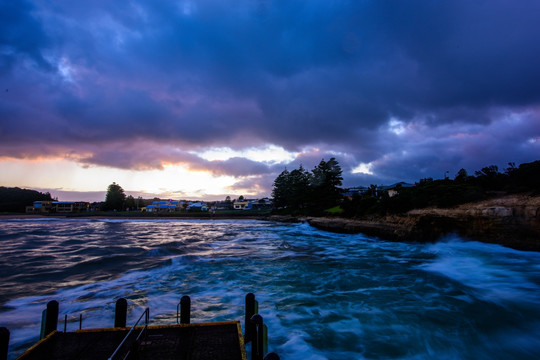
(322, 295)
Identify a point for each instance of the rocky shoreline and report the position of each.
(512, 221)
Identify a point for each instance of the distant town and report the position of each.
(156, 206)
(300, 192)
(182, 206)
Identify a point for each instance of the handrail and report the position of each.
(66, 321)
(183, 310)
(146, 315)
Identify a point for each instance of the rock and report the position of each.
(512, 221)
(285, 218)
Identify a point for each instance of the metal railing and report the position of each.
(117, 353)
(183, 310)
(72, 318)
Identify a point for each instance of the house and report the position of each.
(223, 205)
(241, 205)
(394, 189)
(40, 207)
(260, 204)
(70, 206)
(252, 204)
(198, 206)
(58, 207)
(357, 190)
(164, 206)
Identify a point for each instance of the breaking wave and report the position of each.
(323, 295)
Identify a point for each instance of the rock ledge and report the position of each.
(512, 221)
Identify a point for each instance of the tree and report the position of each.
(228, 203)
(298, 188)
(14, 199)
(115, 197)
(325, 183)
(280, 191)
(490, 178)
(461, 175)
(130, 203)
(511, 169)
(488, 171)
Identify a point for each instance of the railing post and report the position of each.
(50, 320)
(249, 327)
(120, 313)
(265, 339)
(4, 343)
(257, 342)
(185, 310)
(42, 329)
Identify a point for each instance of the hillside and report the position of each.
(512, 220)
(14, 199)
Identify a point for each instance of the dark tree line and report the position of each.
(312, 192)
(485, 183)
(309, 192)
(16, 199)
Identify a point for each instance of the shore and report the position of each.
(134, 216)
(512, 221)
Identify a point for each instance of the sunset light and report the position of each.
(270, 179)
(194, 99)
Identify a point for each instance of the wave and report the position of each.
(493, 272)
(322, 295)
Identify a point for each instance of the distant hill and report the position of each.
(14, 199)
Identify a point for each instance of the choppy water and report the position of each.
(323, 295)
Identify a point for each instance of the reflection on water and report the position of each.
(323, 295)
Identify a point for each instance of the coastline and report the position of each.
(132, 217)
(512, 221)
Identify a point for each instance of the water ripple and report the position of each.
(323, 295)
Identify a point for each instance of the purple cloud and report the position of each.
(140, 85)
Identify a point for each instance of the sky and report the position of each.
(212, 98)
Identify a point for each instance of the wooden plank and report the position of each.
(201, 341)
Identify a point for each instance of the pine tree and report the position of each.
(115, 198)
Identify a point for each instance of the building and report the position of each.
(161, 206)
(197, 206)
(394, 189)
(70, 206)
(164, 206)
(48, 207)
(253, 204)
(358, 190)
(223, 205)
(40, 207)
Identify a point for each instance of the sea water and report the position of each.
(322, 295)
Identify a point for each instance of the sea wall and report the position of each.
(512, 221)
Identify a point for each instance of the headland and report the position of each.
(512, 221)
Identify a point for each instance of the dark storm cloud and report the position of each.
(21, 37)
(96, 78)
